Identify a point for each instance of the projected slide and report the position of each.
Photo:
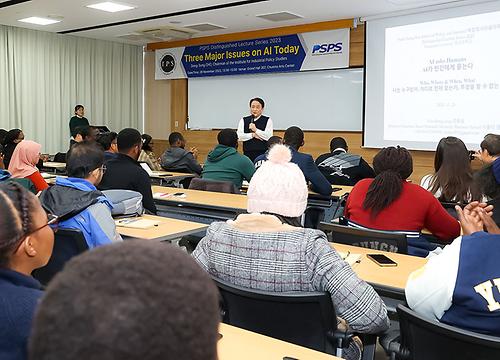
(443, 78)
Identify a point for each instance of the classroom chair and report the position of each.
(213, 185)
(367, 238)
(67, 244)
(303, 318)
(424, 339)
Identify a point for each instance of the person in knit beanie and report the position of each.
(267, 250)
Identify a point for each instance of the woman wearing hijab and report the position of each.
(23, 163)
(12, 138)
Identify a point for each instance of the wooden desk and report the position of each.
(51, 179)
(390, 279)
(240, 344)
(168, 229)
(199, 206)
(54, 166)
(208, 198)
(170, 177)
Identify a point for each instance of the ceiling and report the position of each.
(232, 15)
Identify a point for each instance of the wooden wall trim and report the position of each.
(254, 34)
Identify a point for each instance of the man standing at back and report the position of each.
(124, 172)
(294, 139)
(342, 168)
(225, 163)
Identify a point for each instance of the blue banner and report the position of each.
(319, 50)
(273, 54)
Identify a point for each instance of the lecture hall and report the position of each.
(251, 179)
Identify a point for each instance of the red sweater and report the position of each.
(39, 182)
(414, 210)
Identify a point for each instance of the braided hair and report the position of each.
(16, 205)
(392, 166)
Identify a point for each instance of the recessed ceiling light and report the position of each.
(39, 20)
(111, 6)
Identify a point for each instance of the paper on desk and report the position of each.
(350, 258)
(137, 223)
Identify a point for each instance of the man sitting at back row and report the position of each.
(294, 138)
(76, 200)
(342, 168)
(177, 158)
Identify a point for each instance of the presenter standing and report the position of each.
(77, 120)
(254, 130)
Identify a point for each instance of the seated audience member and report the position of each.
(459, 287)
(177, 158)
(391, 203)
(452, 178)
(294, 138)
(84, 133)
(267, 250)
(3, 134)
(26, 243)
(147, 155)
(124, 172)
(341, 167)
(2, 154)
(12, 138)
(5, 176)
(225, 163)
(77, 202)
(490, 149)
(117, 303)
(108, 143)
(23, 164)
(487, 183)
(273, 140)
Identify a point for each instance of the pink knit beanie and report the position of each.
(278, 186)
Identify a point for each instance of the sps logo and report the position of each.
(325, 49)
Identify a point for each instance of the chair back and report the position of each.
(367, 238)
(303, 318)
(213, 185)
(430, 340)
(60, 157)
(67, 244)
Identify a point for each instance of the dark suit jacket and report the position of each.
(311, 172)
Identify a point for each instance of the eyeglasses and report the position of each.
(52, 221)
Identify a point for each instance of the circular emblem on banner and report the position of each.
(167, 63)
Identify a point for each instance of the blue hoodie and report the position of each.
(88, 210)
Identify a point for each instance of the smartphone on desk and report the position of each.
(381, 260)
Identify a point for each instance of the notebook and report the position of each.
(137, 223)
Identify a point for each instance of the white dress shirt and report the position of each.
(263, 134)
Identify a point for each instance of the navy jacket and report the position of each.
(311, 172)
(19, 295)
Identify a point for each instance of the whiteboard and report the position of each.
(330, 100)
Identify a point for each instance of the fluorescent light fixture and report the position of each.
(110, 6)
(39, 20)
